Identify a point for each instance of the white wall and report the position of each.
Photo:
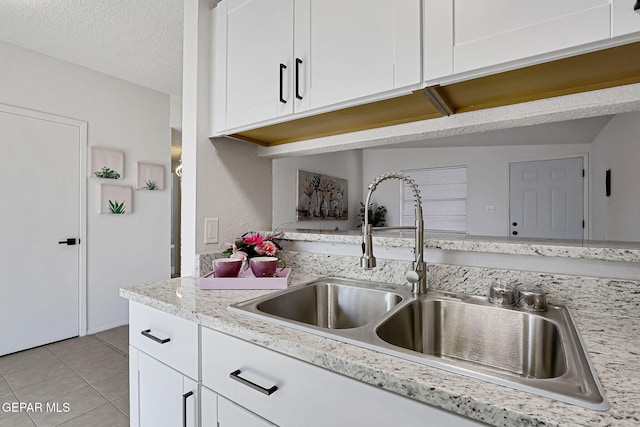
(222, 178)
(346, 165)
(234, 185)
(617, 148)
(123, 250)
(175, 112)
(487, 177)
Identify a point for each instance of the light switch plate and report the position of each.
(210, 231)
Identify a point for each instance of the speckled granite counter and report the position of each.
(607, 251)
(611, 341)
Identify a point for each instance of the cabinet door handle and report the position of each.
(147, 334)
(235, 375)
(282, 68)
(298, 63)
(636, 7)
(184, 407)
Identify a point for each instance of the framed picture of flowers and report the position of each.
(321, 197)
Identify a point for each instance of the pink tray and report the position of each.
(247, 280)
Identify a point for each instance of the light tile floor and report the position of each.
(78, 382)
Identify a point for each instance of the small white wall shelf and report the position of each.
(150, 176)
(107, 163)
(116, 199)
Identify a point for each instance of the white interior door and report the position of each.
(40, 189)
(546, 199)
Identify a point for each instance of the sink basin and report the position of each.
(540, 353)
(512, 341)
(330, 305)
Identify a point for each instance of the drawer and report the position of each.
(169, 339)
(304, 394)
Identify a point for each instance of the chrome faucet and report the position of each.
(418, 276)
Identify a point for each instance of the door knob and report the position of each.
(70, 241)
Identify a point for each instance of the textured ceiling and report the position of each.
(135, 40)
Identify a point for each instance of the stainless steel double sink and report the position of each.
(540, 353)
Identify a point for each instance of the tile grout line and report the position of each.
(126, 354)
(107, 400)
(14, 391)
(83, 379)
(88, 412)
(91, 385)
(113, 347)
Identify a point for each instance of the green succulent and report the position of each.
(115, 207)
(107, 173)
(151, 185)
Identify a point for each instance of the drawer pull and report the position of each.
(147, 334)
(236, 376)
(184, 407)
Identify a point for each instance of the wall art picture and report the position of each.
(106, 163)
(321, 197)
(150, 177)
(116, 199)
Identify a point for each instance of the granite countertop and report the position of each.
(614, 355)
(593, 249)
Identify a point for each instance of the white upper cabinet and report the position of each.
(272, 58)
(355, 49)
(253, 44)
(466, 35)
(626, 20)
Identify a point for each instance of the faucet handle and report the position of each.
(412, 276)
(501, 293)
(533, 299)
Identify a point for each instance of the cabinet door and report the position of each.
(232, 415)
(258, 70)
(625, 19)
(354, 49)
(208, 407)
(159, 394)
(492, 33)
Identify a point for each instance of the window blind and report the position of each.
(444, 198)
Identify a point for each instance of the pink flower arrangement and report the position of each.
(251, 245)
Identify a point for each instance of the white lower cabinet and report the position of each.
(183, 374)
(254, 384)
(163, 369)
(160, 395)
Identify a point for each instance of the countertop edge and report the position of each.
(598, 250)
(464, 404)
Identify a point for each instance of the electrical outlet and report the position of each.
(210, 230)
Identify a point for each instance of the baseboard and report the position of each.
(106, 327)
